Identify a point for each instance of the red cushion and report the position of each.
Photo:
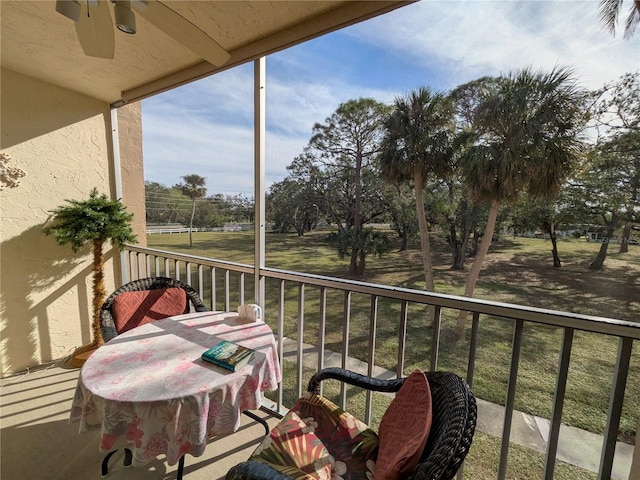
(404, 429)
(131, 309)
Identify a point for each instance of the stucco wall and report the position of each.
(63, 142)
(132, 169)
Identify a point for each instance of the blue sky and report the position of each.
(206, 127)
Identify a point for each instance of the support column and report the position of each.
(259, 128)
(117, 183)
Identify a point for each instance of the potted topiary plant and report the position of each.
(93, 221)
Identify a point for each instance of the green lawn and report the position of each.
(517, 270)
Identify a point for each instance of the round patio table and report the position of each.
(149, 391)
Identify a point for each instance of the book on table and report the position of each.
(228, 355)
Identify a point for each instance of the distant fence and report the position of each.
(233, 227)
(170, 230)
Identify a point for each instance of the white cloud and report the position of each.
(471, 39)
(207, 127)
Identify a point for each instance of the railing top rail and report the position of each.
(587, 323)
(209, 262)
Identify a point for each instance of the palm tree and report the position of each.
(194, 188)
(95, 221)
(611, 9)
(418, 144)
(525, 140)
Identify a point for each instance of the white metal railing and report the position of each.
(213, 280)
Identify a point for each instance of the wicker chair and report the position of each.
(454, 421)
(107, 323)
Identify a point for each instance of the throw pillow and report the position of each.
(404, 429)
(317, 440)
(131, 309)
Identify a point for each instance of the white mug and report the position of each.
(251, 312)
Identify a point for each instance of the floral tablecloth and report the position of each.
(149, 390)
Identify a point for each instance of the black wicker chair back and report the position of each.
(107, 323)
(454, 421)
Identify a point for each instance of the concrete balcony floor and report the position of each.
(38, 442)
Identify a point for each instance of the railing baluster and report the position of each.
(167, 268)
(322, 326)
(558, 403)
(226, 290)
(127, 267)
(188, 272)
(345, 345)
(615, 407)
(241, 294)
(132, 266)
(435, 339)
(511, 397)
(300, 344)
(373, 326)
(139, 266)
(402, 339)
(156, 272)
(280, 337)
(213, 289)
(177, 269)
(201, 281)
(473, 346)
(148, 260)
(471, 366)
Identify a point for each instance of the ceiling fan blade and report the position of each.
(95, 29)
(181, 30)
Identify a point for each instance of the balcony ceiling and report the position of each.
(41, 43)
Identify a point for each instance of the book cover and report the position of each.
(228, 355)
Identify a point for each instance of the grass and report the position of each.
(517, 270)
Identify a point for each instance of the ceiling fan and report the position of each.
(95, 29)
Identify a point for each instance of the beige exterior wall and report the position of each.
(62, 140)
(130, 139)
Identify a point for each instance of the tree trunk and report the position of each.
(554, 244)
(598, 263)
(99, 292)
(193, 214)
(357, 216)
(405, 240)
(474, 244)
(459, 247)
(474, 273)
(468, 225)
(425, 245)
(458, 256)
(626, 233)
(353, 263)
(361, 264)
(554, 250)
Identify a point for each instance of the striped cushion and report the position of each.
(317, 440)
(131, 309)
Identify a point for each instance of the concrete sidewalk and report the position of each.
(575, 446)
